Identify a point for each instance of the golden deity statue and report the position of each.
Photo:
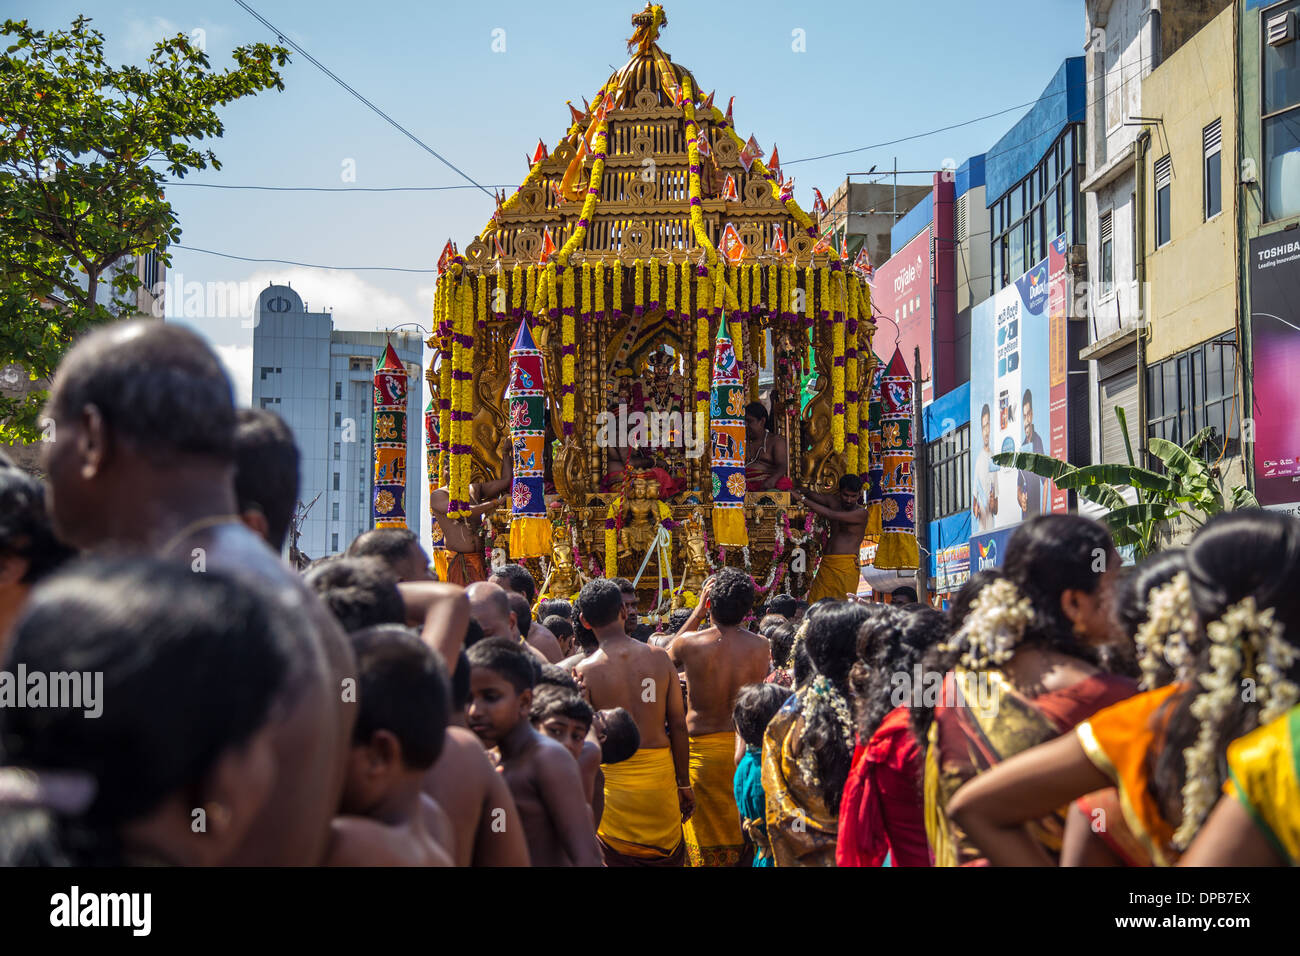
(697, 562)
(641, 517)
(565, 579)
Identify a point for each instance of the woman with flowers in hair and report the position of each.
(1217, 633)
(808, 745)
(881, 813)
(1022, 670)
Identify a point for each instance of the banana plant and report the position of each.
(1187, 487)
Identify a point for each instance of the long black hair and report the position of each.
(191, 664)
(1132, 608)
(831, 640)
(1245, 553)
(939, 658)
(1049, 555)
(889, 646)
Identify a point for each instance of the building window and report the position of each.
(338, 391)
(334, 542)
(358, 363)
(267, 402)
(266, 370)
(1107, 255)
(1193, 390)
(1280, 110)
(334, 511)
(338, 451)
(1164, 176)
(948, 464)
(336, 481)
(338, 419)
(1213, 188)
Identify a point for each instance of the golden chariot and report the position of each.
(648, 225)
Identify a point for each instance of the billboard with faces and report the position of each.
(1018, 401)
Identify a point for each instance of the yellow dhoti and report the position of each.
(713, 836)
(440, 563)
(642, 818)
(837, 576)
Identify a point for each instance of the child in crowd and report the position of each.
(756, 705)
(404, 709)
(543, 778)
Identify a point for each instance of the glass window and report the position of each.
(1162, 215)
(1031, 242)
(1212, 183)
(338, 419)
(1107, 265)
(338, 391)
(1282, 164)
(1017, 251)
(336, 481)
(338, 451)
(334, 512)
(1067, 206)
(334, 541)
(1017, 204)
(1051, 216)
(1281, 74)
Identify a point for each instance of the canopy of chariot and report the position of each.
(599, 342)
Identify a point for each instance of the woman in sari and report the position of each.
(1221, 625)
(1022, 670)
(882, 813)
(808, 745)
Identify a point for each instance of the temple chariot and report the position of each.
(649, 233)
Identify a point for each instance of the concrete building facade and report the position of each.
(320, 381)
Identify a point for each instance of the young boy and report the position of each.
(756, 705)
(562, 715)
(542, 776)
(386, 819)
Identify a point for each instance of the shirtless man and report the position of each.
(837, 576)
(767, 457)
(717, 662)
(489, 604)
(648, 796)
(543, 777)
(464, 546)
(144, 460)
(396, 547)
(517, 578)
(386, 819)
(485, 821)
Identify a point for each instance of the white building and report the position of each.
(320, 381)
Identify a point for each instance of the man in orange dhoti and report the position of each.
(837, 575)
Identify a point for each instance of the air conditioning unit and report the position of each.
(1281, 29)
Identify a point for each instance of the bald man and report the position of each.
(489, 605)
(144, 460)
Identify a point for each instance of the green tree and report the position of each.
(84, 149)
(1189, 486)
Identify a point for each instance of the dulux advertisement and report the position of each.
(1018, 402)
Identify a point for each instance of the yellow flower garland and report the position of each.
(598, 277)
(638, 292)
(532, 288)
(444, 383)
(848, 295)
(703, 295)
(837, 364)
(694, 190)
(670, 299)
(773, 291)
(575, 241)
(654, 283)
(516, 289)
(616, 278)
(568, 342)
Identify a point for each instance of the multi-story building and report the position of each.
(1125, 40)
(865, 213)
(320, 381)
(1267, 182)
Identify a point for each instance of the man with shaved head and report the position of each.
(143, 459)
(489, 605)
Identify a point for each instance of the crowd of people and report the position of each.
(1063, 711)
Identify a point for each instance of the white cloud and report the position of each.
(143, 32)
(238, 360)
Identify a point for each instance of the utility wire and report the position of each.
(337, 79)
(306, 265)
(336, 189)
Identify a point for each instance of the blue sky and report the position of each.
(870, 72)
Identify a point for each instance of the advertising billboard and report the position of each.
(1275, 330)
(1017, 401)
(901, 292)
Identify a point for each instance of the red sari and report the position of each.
(882, 811)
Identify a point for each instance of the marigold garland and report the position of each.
(638, 290)
(694, 189)
(616, 281)
(837, 361)
(516, 290)
(670, 299)
(592, 198)
(531, 297)
(444, 383)
(568, 352)
(654, 284)
(598, 279)
(846, 290)
(482, 298)
(703, 296)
